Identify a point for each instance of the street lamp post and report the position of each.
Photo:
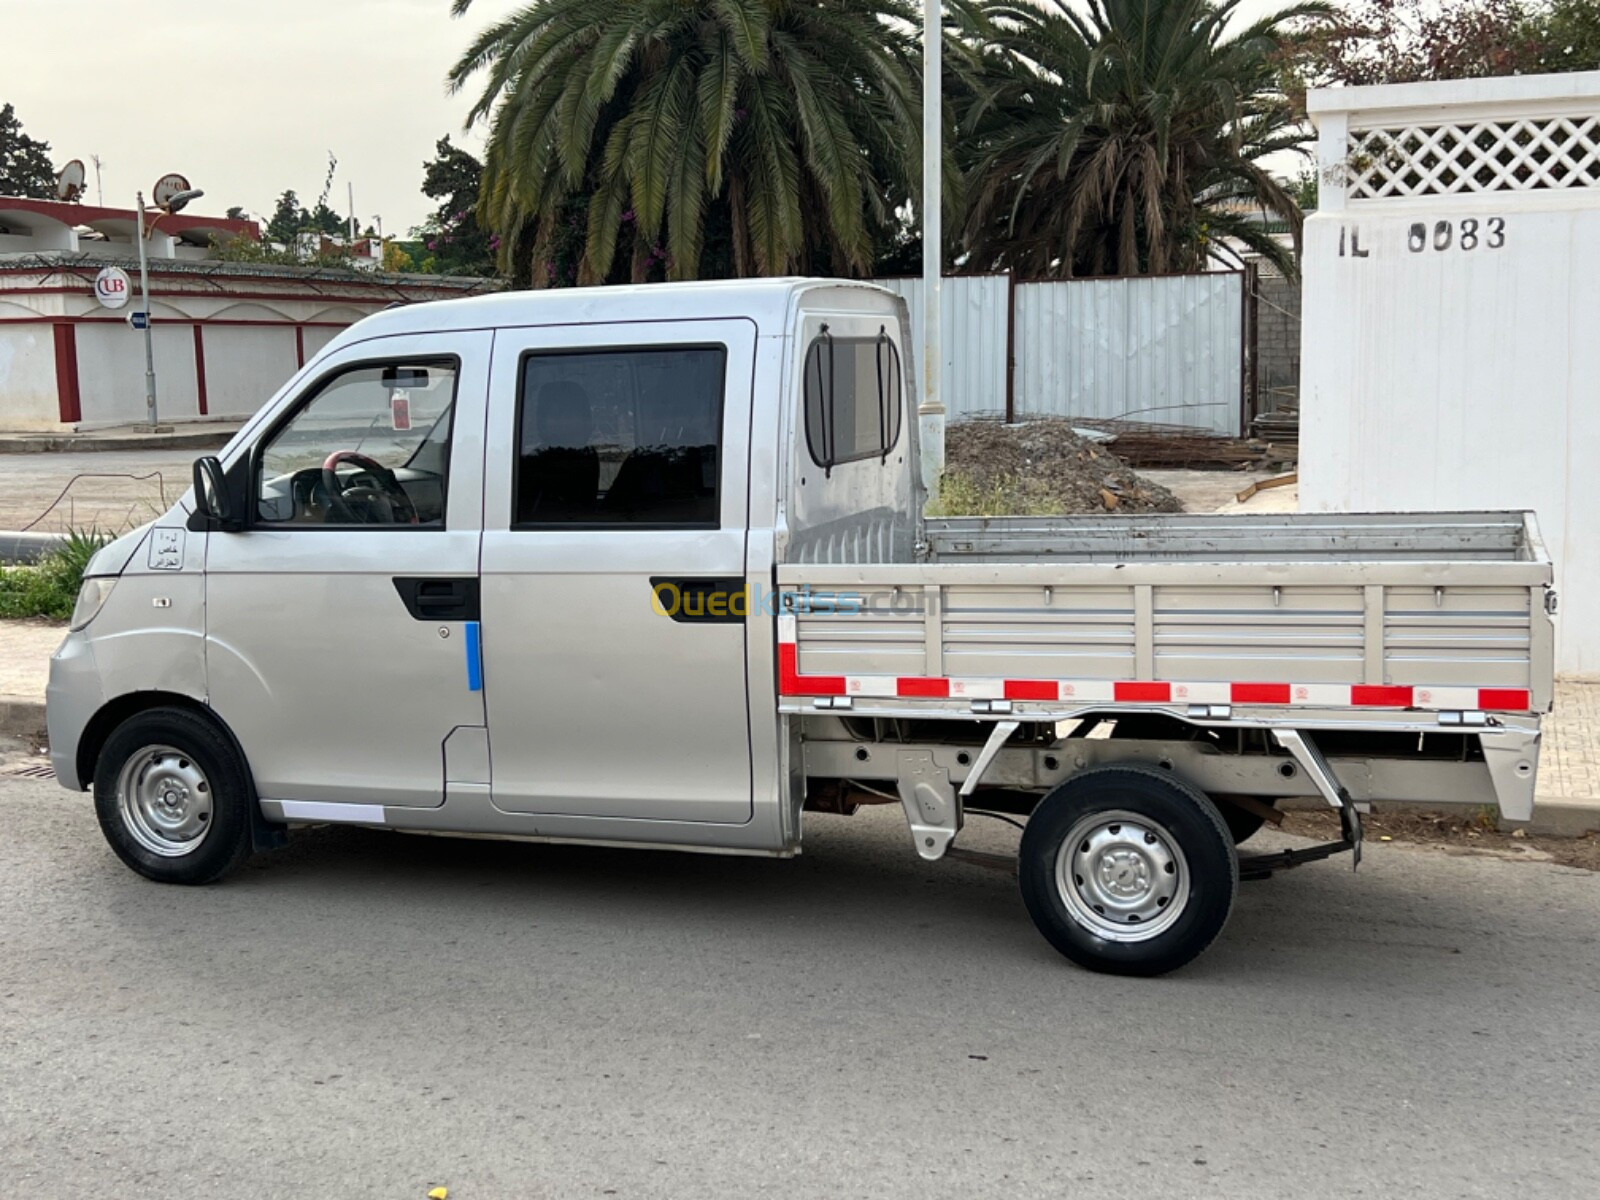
(167, 209)
(930, 410)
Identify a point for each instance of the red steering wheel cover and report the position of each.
(355, 456)
(372, 464)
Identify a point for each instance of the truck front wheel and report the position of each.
(173, 798)
(1128, 870)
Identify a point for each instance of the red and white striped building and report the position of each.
(226, 334)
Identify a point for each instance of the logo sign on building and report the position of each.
(111, 287)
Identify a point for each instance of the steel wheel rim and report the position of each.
(165, 801)
(1123, 876)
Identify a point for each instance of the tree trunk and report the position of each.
(742, 256)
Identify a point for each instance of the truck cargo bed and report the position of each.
(1394, 611)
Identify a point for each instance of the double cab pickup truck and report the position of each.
(649, 567)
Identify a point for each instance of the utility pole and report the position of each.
(144, 299)
(99, 192)
(167, 208)
(930, 411)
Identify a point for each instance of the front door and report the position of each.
(614, 534)
(341, 624)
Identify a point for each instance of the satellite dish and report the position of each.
(69, 180)
(167, 187)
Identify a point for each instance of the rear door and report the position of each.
(341, 624)
(616, 506)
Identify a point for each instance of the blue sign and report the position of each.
(139, 320)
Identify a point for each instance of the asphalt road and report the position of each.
(111, 490)
(369, 1014)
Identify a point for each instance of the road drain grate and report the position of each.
(42, 771)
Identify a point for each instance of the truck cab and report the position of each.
(436, 595)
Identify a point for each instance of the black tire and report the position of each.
(195, 750)
(1206, 873)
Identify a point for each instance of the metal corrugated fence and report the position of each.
(1165, 349)
(972, 323)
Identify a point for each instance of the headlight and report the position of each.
(91, 596)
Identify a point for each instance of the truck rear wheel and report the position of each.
(1128, 870)
(172, 797)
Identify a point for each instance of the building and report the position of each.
(1451, 290)
(226, 334)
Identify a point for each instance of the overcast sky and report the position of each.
(246, 99)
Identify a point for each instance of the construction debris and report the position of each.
(1141, 444)
(1281, 425)
(1262, 485)
(1040, 468)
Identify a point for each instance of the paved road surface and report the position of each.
(111, 495)
(374, 1014)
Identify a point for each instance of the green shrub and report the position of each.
(49, 587)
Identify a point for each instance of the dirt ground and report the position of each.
(1214, 491)
(1453, 833)
(1038, 468)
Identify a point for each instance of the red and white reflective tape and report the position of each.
(1098, 691)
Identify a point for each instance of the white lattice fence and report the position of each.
(1444, 159)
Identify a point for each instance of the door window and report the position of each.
(620, 438)
(371, 446)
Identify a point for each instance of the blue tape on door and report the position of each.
(474, 659)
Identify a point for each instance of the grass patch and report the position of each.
(1008, 495)
(49, 587)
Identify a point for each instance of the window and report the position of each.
(620, 437)
(371, 447)
(852, 394)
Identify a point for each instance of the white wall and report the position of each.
(318, 336)
(245, 365)
(1444, 371)
(28, 374)
(111, 372)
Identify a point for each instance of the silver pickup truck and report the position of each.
(647, 567)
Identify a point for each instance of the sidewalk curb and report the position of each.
(18, 547)
(1560, 816)
(21, 717)
(1553, 816)
(46, 443)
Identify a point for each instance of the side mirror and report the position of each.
(213, 506)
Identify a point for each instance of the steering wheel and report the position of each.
(400, 509)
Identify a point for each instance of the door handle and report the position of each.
(436, 598)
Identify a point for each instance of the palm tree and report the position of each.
(794, 123)
(1129, 140)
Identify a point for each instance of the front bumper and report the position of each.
(72, 698)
